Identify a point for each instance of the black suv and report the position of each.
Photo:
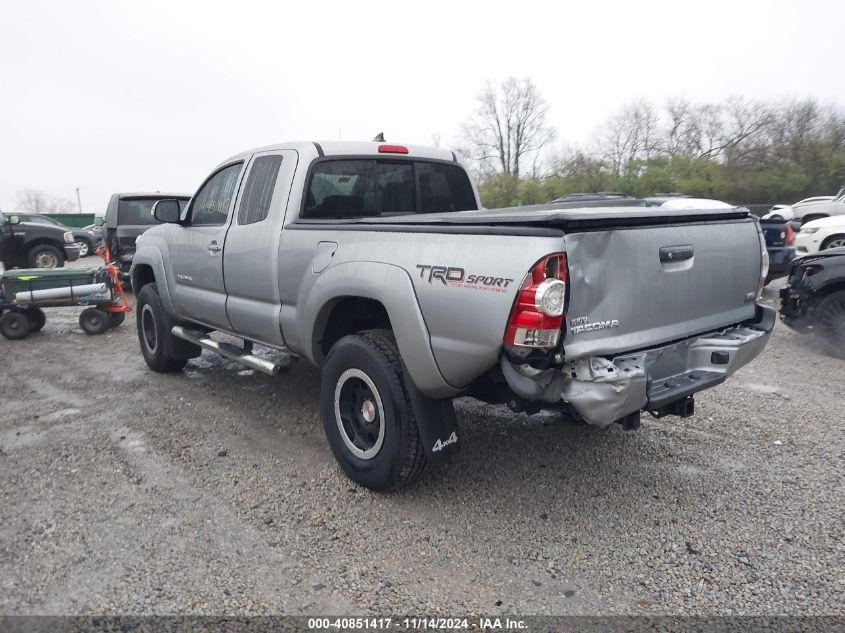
(27, 244)
(814, 298)
(128, 216)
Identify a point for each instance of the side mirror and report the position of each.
(167, 211)
(13, 219)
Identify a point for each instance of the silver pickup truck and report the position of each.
(376, 263)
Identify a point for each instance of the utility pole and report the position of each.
(78, 200)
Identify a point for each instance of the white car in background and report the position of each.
(695, 203)
(820, 235)
(779, 212)
(819, 207)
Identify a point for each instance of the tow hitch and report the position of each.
(683, 408)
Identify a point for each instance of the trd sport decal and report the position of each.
(453, 276)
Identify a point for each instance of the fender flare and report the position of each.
(152, 257)
(391, 286)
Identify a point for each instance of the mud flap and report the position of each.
(436, 423)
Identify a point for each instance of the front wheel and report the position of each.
(46, 256)
(367, 412)
(829, 323)
(85, 248)
(834, 241)
(154, 332)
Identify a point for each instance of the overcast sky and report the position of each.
(133, 96)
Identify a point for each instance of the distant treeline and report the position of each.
(740, 151)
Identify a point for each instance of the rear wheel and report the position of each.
(154, 332)
(116, 318)
(834, 241)
(94, 321)
(368, 417)
(829, 323)
(37, 318)
(15, 325)
(46, 256)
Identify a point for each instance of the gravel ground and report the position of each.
(214, 491)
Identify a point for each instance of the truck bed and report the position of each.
(570, 215)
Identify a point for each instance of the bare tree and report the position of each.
(35, 201)
(508, 126)
(31, 201)
(630, 135)
(728, 126)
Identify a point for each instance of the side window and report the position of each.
(211, 204)
(258, 191)
(444, 188)
(341, 189)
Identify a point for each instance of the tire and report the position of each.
(94, 321)
(154, 333)
(37, 318)
(834, 241)
(367, 413)
(85, 248)
(15, 325)
(116, 318)
(45, 256)
(829, 323)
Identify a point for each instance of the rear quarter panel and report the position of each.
(464, 285)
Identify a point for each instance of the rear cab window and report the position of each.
(346, 188)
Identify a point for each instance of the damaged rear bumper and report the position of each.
(605, 390)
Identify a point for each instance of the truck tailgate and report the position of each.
(632, 288)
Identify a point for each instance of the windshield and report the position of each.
(139, 210)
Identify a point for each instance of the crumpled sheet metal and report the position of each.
(603, 392)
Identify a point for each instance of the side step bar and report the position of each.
(264, 365)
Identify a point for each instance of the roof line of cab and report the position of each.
(349, 148)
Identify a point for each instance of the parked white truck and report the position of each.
(376, 263)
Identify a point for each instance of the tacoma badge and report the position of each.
(583, 324)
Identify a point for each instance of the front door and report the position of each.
(196, 250)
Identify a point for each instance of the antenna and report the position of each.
(379, 138)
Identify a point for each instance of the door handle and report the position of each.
(214, 247)
(670, 254)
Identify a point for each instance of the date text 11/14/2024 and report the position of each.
(415, 624)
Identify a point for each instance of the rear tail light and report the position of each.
(537, 314)
(789, 238)
(764, 261)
